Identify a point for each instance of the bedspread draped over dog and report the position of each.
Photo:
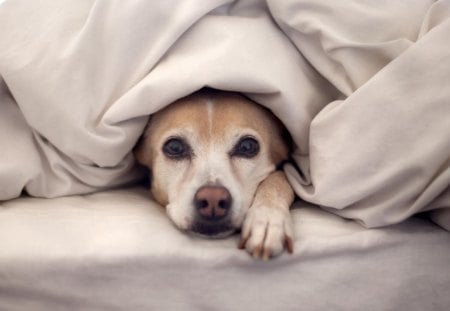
(362, 86)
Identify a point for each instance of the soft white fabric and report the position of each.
(361, 85)
(117, 250)
(382, 152)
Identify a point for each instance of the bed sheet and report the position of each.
(117, 250)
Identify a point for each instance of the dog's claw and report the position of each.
(257, 252)
(243, 242)
(267, 232)
(289, 244)
(267, 254)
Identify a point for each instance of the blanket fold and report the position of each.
(362, 88)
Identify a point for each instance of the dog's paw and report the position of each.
(267, 231)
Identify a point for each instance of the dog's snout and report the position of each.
(212, 202)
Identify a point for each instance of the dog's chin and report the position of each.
(212, 231)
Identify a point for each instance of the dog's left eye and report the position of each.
(247, 147)
(176, 148)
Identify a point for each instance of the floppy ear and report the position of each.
(281, 149)
(142, 151)
(282, 142)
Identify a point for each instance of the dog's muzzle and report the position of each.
(212, 206)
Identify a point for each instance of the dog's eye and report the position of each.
(176, 148)
(247, 147)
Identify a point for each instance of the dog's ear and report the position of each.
(281, 149)
(281, 143)
(142, 151)
(143, 157)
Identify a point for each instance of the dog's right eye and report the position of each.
(176, 148)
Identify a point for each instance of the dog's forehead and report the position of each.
(211, 115)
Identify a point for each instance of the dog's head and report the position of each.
(207, 154)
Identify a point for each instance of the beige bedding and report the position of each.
(117, 250)
(362, 86)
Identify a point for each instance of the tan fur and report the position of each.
(211, 120)
(231, 108)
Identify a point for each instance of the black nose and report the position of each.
(212, 202)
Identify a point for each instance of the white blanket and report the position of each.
(362, 86)
(115, 251)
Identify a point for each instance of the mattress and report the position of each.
(117, 250)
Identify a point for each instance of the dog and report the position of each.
(213, 159)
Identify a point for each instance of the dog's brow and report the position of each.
(178, 132)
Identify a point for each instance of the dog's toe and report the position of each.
(266, 232)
